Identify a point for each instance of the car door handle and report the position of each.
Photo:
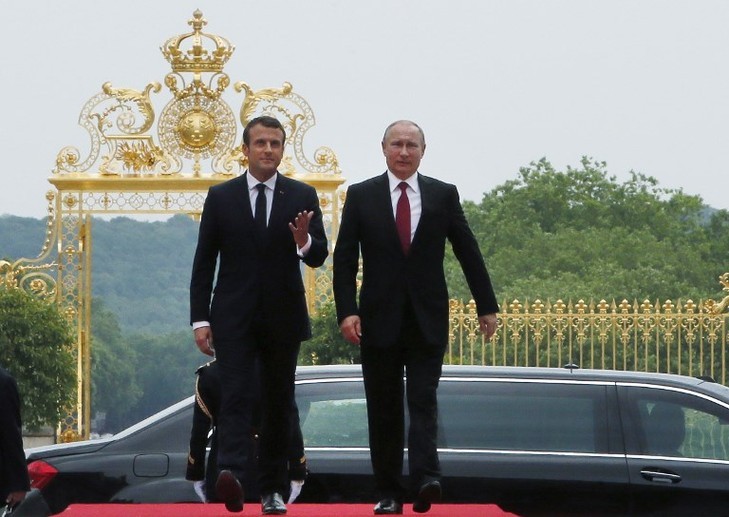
(660, 475)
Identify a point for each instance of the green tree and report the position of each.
(327, 346)
(35, 346)
(165, 367)
(579, 233)
(142, 271)
(115, 388)
(718, 236)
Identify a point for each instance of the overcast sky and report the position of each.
(642, 85)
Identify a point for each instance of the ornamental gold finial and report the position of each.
(197, 51)
(714, 307)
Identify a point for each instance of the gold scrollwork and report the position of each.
(714, 307)
(128, 95)
(196, 86)
(253, 99)
(68, 156)
(34, 279)
(297, 118)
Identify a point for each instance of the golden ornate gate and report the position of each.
(143, 163)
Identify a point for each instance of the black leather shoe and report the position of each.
(388, 506)
(229, 491)
(428, 493)
(272, 504)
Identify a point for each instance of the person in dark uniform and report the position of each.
(14, 480)
(207, 405)
(204, 417)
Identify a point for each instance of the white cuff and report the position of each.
(303, 251)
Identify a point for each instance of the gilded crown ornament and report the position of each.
(197, 124)
(197, 58)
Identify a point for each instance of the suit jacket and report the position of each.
(256, 276)
(389, 277)
(13, 470)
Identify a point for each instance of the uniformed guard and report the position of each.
(207, 405)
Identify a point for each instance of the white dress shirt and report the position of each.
(416, 205)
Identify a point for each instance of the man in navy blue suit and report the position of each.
(256, 229)
(399, 223)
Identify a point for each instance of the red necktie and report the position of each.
(402, 218)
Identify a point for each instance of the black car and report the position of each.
(559, 441)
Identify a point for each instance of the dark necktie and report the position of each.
(402, 218)
(260, 215)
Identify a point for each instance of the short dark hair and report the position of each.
(265, 121)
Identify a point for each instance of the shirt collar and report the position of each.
(412, 181)
(253, 182)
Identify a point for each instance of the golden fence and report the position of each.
(685, 338)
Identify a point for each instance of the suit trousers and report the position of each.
(238, 361)
(385, 389)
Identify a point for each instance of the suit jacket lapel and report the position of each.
(246, 198)
(278, 200)
(425, 205)
(382, 204)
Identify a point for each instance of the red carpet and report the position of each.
(295, 510)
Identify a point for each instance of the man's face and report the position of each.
(264, 151)
(403, 148)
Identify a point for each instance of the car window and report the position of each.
(672, 423)
(333, 414)
(524, 416)
(170, 433)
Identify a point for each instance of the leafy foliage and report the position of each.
(20, 236)
(142, 271)
(581, 234)
(136, 375)
(165, 367)
(115, 388)
(327, 346)
(35, 347)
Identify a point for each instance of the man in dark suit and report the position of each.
(256, 229)
(400, 222)
(14, 481)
